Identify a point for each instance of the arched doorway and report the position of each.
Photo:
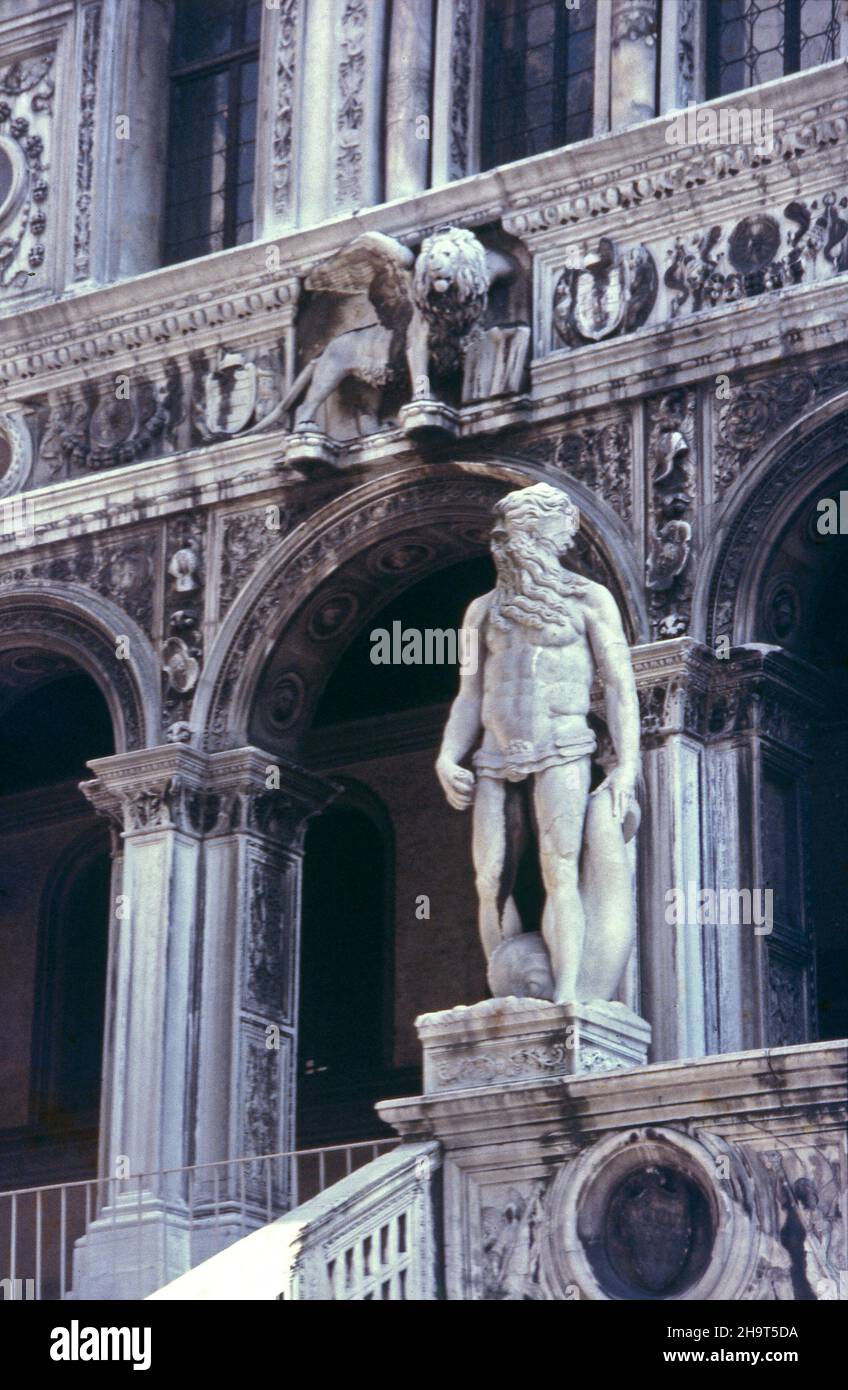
(54, 890)
(777, 581)
(803, 607)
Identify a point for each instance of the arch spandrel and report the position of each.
(439, 499)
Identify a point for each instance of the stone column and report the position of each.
(408, 114)
(340, 165)
(760, 977)
(202, 1008)
(141, 1235)
(727, 944)
(457, 82)
(633, 67)
(118, 192)
(672, 679)
(249, 969)
(282, 118)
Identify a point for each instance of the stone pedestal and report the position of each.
(505, 1040)
(424, 419)
(717, 1179)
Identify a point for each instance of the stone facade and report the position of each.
(158, 534)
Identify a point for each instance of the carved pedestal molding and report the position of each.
(202, 985)
(504, 1040)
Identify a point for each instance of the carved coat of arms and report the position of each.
(605, 294)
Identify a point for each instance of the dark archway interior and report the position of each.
(344, 1029)
(358, 689)
(49, 731)
(54, 907)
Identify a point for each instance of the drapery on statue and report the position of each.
(541, 634)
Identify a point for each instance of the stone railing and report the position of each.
(370, 1236)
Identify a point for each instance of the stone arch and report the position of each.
(84, 628)
(762, 502)
(370, 515)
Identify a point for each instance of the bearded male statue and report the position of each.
(541, 634)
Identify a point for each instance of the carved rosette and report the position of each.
(26, 129)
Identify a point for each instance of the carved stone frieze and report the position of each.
(286, 58)
(332, 542)
(604, 293)
(666, 175)
(756, 411)
(92, 15)
(267, 965)
(350, 118)
(752, 521)
(671, 507)
(121, 571)
(247, 538)
(460, 71)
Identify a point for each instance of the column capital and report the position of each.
(686, 688)
(177, 787)
(266, 794)
(165, 787)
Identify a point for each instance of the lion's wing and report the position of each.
(372, 265)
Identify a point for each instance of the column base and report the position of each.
(134, 1247)
(506, 1040)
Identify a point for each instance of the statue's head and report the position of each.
(451, 264)
(541, 516)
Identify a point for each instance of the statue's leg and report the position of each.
(560, 798)
(418, 355)
(330, 372)
(607, 893)
(498, 832)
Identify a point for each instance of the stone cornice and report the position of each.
(141, 320)
(756, 1094)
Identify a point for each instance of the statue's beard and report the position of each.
(533, 589)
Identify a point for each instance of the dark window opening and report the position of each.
(754, 41)
(212, 127)
(538, 77)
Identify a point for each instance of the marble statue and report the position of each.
(542, 634)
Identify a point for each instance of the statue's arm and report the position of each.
(465, 720)
(612, 658)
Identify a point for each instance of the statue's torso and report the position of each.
(536, 684)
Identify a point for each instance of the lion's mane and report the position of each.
(454, 315)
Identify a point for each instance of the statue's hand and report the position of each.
(457, 783)
(621, 784)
